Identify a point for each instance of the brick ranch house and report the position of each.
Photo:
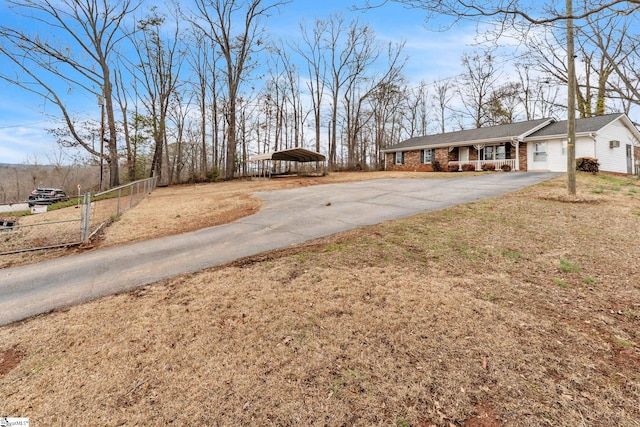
(535, 145)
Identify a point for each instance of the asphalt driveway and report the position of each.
(287, 217)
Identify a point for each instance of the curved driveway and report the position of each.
(287, 217)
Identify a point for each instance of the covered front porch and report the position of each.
(479, 164)
(511, 154)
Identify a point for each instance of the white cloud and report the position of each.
(25, 144)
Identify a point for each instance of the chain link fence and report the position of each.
(23, 234)
(72, 225)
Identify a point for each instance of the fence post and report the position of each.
(85, 218)
(119, 195)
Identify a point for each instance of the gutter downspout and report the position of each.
(595, 145)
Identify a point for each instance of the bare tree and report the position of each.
(615, 47)
(476, 86)
(504, 104)
(206, 85)
(386, 105)
(217, 102)
(357, 85)
(293, 96)
(350, 50)
(417, 110)
(599, 45)
(362, 86)
(626, 87)
(442, 101)
(338, 74)
(218, 20)
(178, 112)
(76, 54)
(538, 97)
(313, 53)
(506, 12)
(122, 96)
(200, 58)
(159, 64)
(274, 96)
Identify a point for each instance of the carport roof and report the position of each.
(292, 154)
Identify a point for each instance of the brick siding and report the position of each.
(411, 163)
(412, 159)
(522, 156)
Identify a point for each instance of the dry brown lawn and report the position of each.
(521, 310)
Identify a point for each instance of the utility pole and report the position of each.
(571, 104)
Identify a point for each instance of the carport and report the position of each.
(285, 162)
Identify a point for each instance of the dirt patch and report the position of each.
(9, 359)
(571, 199)
(486, 417)
(511, 311)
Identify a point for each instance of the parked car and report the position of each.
(46, 196)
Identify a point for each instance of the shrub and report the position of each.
(437, 167)
(214, 174)
(468, 167)
(488, 167)
(453, 168)
(505, 168)
(587, 164)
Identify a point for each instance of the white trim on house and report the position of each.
(558, 136)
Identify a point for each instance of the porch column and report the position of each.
(479, 162)
(516, 144)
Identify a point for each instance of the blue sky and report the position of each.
(433, 55)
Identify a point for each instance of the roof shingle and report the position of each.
(471, 136)
(533, 129)
(585, 125)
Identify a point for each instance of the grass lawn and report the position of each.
(520, 310)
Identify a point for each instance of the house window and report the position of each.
(399, 158)
(494, 152)
(489, 153)
(564, 148)
(427, 156)
(540, 152)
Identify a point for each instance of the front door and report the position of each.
(629, 160)
(464, 155)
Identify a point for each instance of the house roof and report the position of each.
(502, 133)
(583, 126)
(291, 154)
(528, 131)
